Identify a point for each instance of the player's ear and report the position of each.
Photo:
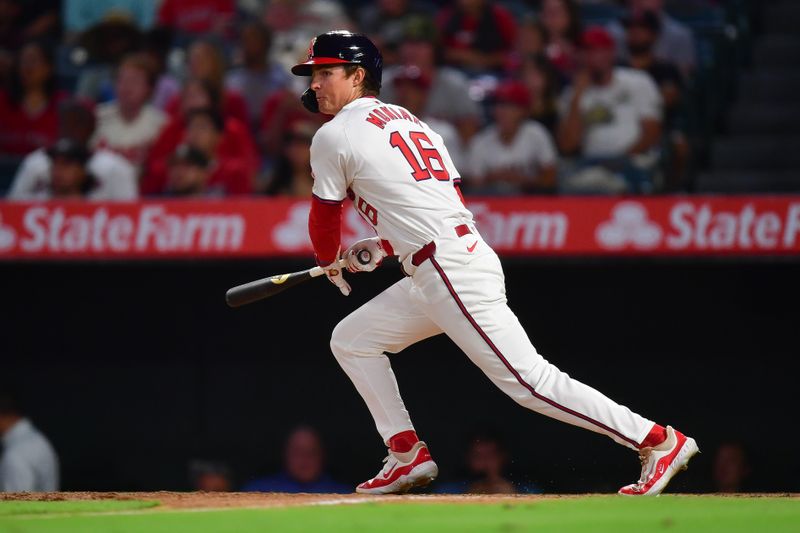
(359, 76)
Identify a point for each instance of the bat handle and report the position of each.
(317, 271)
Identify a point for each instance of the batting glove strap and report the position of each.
(365, 255)
(335, 276)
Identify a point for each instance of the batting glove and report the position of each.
(334, 273)
(365, 255)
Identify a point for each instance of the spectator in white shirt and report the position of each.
(514, 155)
(611, 116)
(130, 124)
(104, 175)
(67, 170)
(28, 462)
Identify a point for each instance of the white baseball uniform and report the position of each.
(402, 181)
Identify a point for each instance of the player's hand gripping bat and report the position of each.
(266, 287)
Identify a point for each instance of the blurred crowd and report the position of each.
(29, 463)
(117, 99)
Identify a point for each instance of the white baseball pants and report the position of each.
(462, 294)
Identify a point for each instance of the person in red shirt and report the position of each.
(206, 62)
(235, 140)
(197, 17)
(477, 34)
(29, 108)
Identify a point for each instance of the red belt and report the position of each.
(427, 251)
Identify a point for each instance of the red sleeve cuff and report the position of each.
(325, 229)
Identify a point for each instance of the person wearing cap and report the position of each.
(611, 118)
(448, 98)
(103, 175)
(292, 173)
(642, 31)
(675, 42)
(514, 155)
(413, 88)
(188, 172)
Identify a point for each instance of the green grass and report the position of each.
(23, 508)
(594, 514)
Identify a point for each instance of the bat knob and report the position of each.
(364, 257)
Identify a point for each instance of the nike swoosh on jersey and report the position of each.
(471, 249)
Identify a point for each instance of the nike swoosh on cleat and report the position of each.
(389, 473)
(471, 249)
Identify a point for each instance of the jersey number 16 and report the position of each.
(420, 171)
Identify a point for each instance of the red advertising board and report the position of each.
(536, 226)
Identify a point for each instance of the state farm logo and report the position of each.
(8, 237)
(521, 230)
(629, 226)
(291, 235)
(146, 229)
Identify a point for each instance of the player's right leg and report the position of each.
(388, 323)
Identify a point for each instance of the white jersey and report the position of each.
(398, 170)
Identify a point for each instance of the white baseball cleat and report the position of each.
(402, 472)
(661, 463)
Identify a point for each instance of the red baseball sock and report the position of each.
(656, 436)
(404, 441)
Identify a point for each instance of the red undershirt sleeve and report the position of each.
(325, 229)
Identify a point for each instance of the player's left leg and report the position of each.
(465, 295)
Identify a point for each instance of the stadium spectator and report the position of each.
(611, 120)
(206, 62)
(130, 124)
(476, 34)
(28, 462)
(80, 15)
(303, 468)
(197, 17)
(514, 154)
(210, 476)
(531, 40)
(105, 45)
(295, 22)
(541, 80)
(384, 22)
(282, 110)
(292, 173)
(487, 460)
(224, 143)
(257, 78)
(412, 89)
(562, 23)
(29, 107)
(448, 99)
(675, 42)
(69, 171)
(24, 20)
(236, 141)
(642, 30)
(11, 36)
(156, 45)
(731, 469)
(187, 172)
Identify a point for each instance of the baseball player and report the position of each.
(401, 179)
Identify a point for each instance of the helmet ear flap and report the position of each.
(309, 100)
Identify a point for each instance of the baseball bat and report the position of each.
(267, 287)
